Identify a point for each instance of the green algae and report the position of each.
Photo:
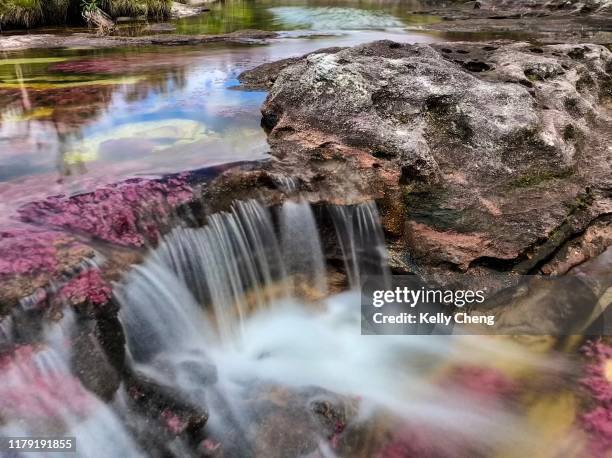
(50, 85)
(33, 60)
(540, 176)
(36, 113)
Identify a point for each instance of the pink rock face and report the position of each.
(29, 391)
(597, 422)
(128, 213)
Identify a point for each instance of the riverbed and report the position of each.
(74, 119)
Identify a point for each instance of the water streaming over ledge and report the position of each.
(40, 396)
(361, 240)
(226, 303)
(236, 319)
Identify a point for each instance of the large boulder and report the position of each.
(497, 153)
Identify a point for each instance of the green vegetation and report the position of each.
(540, 176)
(31, 13)
(157, 9)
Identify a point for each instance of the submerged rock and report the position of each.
(75, 40)
(188, 8)
(496, 153)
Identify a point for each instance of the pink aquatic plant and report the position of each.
(597, 421)
(88, 286)
(482, 382)
(30, 389)
(209, 447)
(415, 440)
(129, 213)
(27, 251)
(174, 422)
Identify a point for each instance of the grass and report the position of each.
(23, 12)
(157, 9)
(32, 13)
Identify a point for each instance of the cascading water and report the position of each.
(223, 317)
(6, 330)
(361, 240)
(235, 254)
(39, 396)
(301, 245)
(229, 357)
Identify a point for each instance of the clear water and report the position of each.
(234, 293)
(319, 15)
(268, 352)
(71, 120)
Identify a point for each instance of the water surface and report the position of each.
(74, 119)
(319, 15)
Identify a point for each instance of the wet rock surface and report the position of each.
(497, 154)
(503, 8)
(75, 40)
(548, 21)
(489, 157)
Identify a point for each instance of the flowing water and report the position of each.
(309, 15)
(223, 296)
(71, 120)
(41, 394)
(238, 316)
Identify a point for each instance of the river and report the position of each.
(73, 119)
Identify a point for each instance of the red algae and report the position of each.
(208, 446)
(42, 248)
(88, 286)
(413, 440)
(597, 422)
(482, 382)
(129, 213)
(28, 251)
(173, 422)
(27, 391)
(25, 251)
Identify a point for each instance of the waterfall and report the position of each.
(301, 245)
(211, 278)
(39, 394)
(158, 312)
(188, 304)
(361, 240)
(229, 264)
(218, 316)
(6, 330)
(287, 184)
(238, 262)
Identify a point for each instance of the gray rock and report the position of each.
(497, 154)
(546, 21)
